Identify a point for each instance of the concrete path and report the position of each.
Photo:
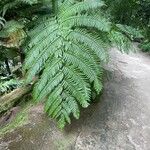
(119, 121)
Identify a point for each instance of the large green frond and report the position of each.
(67, 52)
(80, 7)
(93, 42)
(122, 42)
(87, 21)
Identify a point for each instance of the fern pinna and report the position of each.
(66, 50)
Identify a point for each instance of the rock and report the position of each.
(9, 116)
(120, 121)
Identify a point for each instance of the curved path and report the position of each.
(120, 121)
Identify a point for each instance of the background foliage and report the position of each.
(135, 13)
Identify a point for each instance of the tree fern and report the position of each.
(67, 52)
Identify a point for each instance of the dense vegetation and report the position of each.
(61, 45)
(134, 13)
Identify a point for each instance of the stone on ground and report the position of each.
(119, 121)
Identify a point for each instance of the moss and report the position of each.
(20, 120)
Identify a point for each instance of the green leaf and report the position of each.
(67, 51)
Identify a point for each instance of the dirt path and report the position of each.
(120, 121)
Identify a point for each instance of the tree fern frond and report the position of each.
(66, 4)
(67, 51)
(73, 105)
(53, 97)
(35, 50)
(94, 43)
(80, 7)
(39, 61)
(78, 95)
(52, 83)
(55, 105)
(83, 51)
(82, 85)
(122, 42)
(81, 64)
(52, 67)
(88, 21)
(130, 31)
(45, 26)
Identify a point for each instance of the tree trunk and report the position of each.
(9, 100)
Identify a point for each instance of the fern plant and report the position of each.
(145, 45)
(7, 86)
(67, 50)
